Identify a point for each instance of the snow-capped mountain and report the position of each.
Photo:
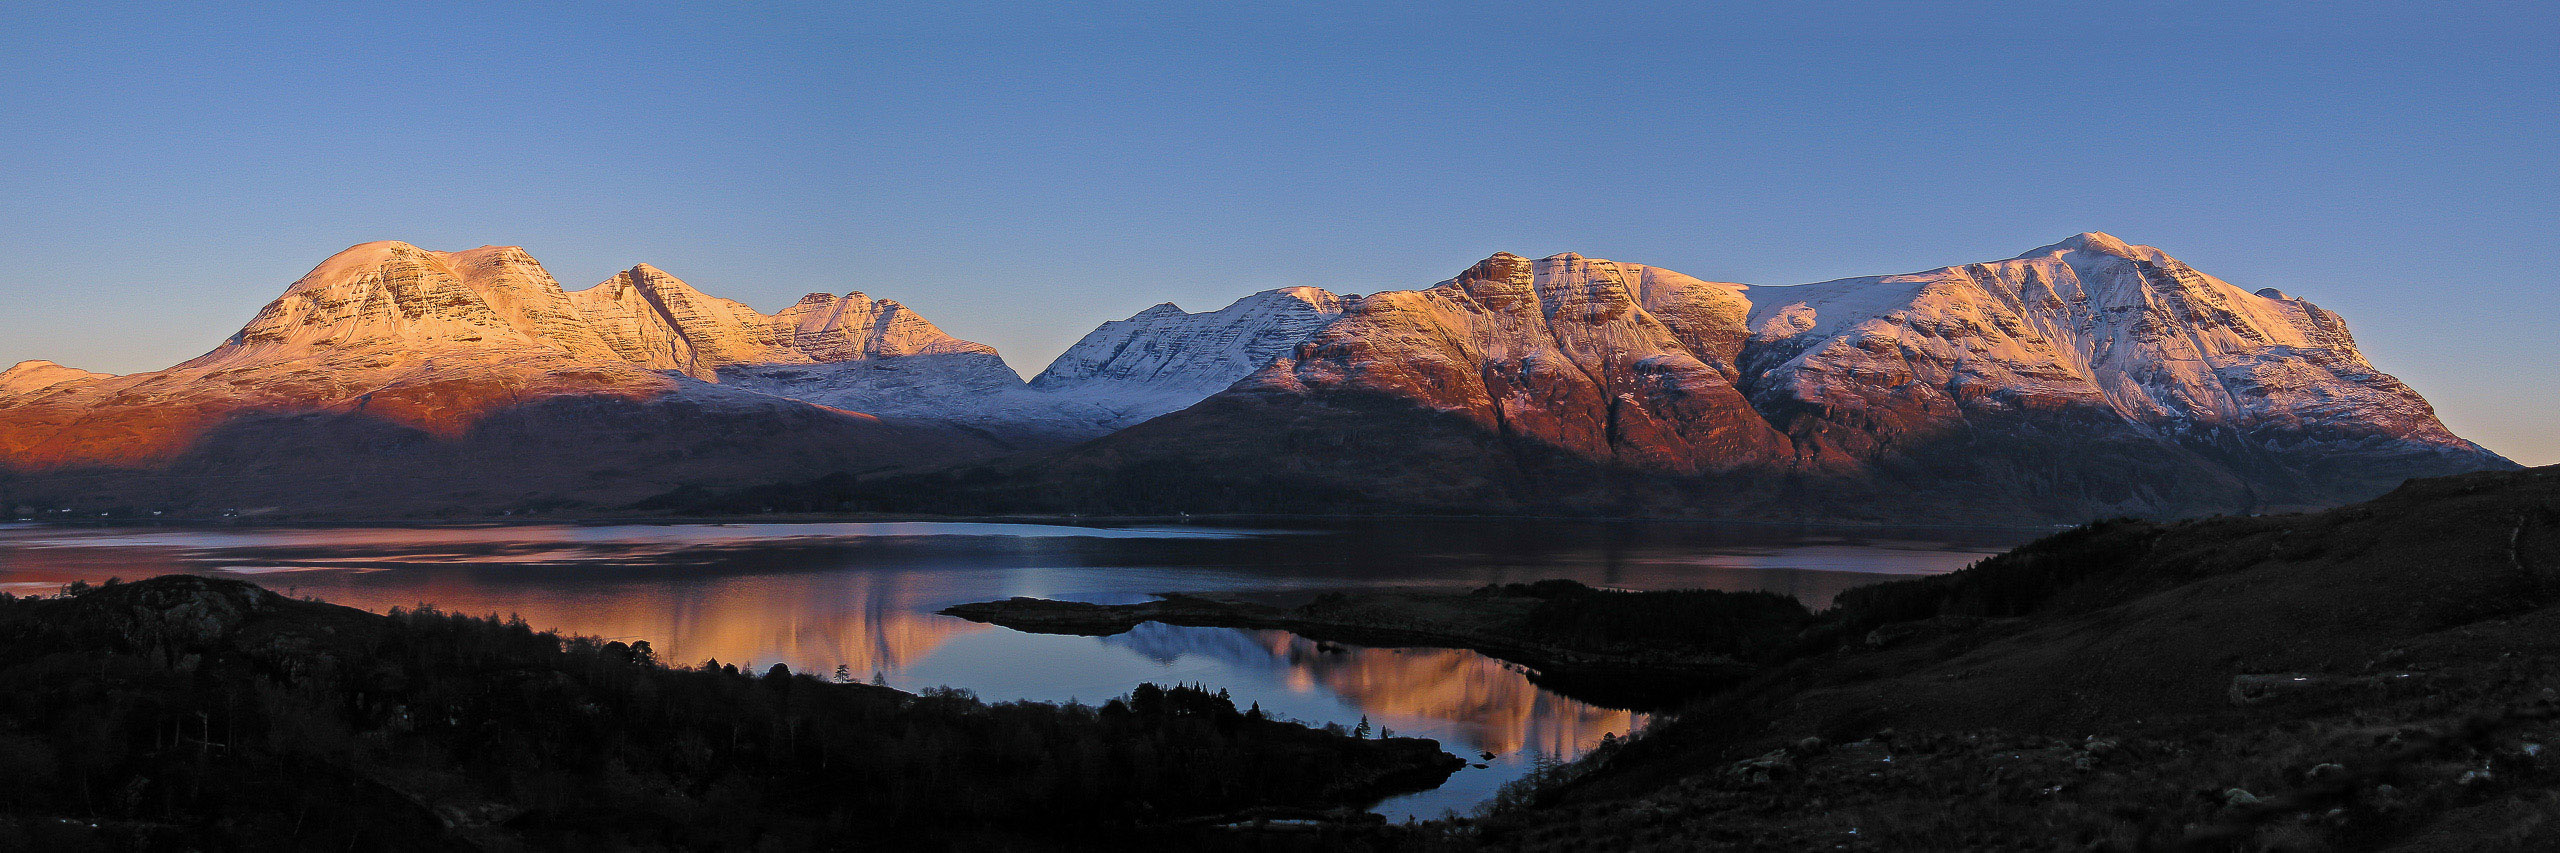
(1164, 359)
(2084, 378)
(2090, 323)
(1591, 356)
(1123, 373)
(471, 377)
(1166, 349)
(387, 340)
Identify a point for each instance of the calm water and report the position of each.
(862, 596)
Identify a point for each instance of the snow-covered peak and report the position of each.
(1164, 358)
(2091, 320)
(2098, 243)
(385, 293)
(857, 326)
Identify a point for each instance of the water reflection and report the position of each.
(1474, 705)
(862, 597)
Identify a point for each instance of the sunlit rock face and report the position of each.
(471, 377)
(421, 361)
(2123, 332)
(2086, 378)
(655, 320)
(1609, 360)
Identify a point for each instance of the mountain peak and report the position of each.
(1322, 299)
(2096, 243)
(361, 258)
(1500, 269)
(37, 374)
(379, 246)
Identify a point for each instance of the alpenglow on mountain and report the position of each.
(2082, 379)
(2089, 377)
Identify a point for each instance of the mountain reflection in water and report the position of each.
(1489, 705)
(863, 596)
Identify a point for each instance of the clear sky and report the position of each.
(1022, 173)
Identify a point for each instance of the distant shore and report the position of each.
(284, 520)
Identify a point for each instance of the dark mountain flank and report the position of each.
(2379, 676)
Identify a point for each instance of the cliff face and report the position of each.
(1608, 360)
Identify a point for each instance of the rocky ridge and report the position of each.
(471, 373)
(2083, 379)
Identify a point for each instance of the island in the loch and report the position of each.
(1639, 650)
(2379, 676)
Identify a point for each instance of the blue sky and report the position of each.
(1022, 173)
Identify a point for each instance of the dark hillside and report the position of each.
(2374, 676)
(185, 712)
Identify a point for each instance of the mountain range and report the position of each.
(2086, 378)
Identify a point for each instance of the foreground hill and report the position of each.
(192, 713)
(2379, 676)
(2083, 379)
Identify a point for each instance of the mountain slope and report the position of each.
(2378, 676)
(391, 363)
(2088, 323)
(1123, 373)
(1164, 359)
(2085, 379)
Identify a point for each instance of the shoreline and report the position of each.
(280, 520)
(1652, 682)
